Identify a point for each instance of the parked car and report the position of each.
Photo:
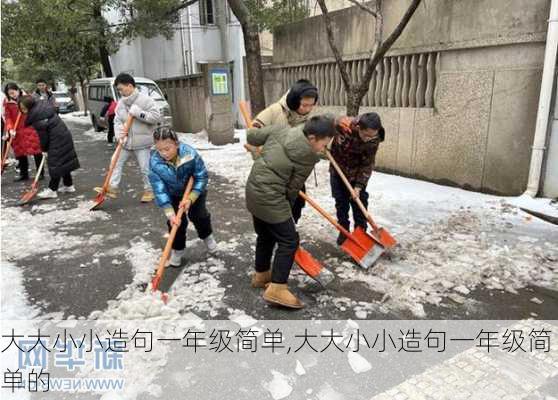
(64, 102)
(99, 89)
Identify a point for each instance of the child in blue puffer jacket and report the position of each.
(171, 166)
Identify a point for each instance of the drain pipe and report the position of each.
(545, 99)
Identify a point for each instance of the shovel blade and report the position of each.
(386, 239)
(307, 263)
(27, 196)
(100, 199)
(362, 248)
(312, 267)
(155, 283)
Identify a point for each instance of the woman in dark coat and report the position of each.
(56, 142)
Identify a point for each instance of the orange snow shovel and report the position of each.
(166, 252)
(359, 245)
(28, 196)
(381, 236)
(100, 198)
(9, 145)
(303, 258)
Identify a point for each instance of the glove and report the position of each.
(12, 133)
(344, 124)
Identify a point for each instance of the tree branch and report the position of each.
(365, 8)
(333, 46)
(184, 4)
(385, 46)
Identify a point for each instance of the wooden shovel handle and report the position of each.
(116, 154)
(245, 114)
(352, 191)
(38, 173)
(9, 144)
(325, 214)
(172, 234)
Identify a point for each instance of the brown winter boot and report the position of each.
(279, 294)
(147, 196)
(261, 280)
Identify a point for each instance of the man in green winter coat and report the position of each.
(287, 159)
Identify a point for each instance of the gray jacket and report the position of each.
(48, 96)
(146, 117)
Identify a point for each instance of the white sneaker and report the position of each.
(67, 189)
(47, 194)
(176, 258)
(211, 244)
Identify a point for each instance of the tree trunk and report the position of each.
(357, 91)
(72, 93)
(83, 95)
(253, 55)
(353, 102)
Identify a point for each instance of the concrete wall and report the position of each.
(186, 97)
(479, 133)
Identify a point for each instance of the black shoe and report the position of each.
(21, 179)
(341, 239)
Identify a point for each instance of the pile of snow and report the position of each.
(451, 241)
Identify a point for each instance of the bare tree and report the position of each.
(357, 90)
(253, 54)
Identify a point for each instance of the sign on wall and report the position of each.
(219, 82)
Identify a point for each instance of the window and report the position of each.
(207, 17)
(95, 93)
(100, 93)
(108, 92)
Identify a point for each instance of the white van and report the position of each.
(98, 89)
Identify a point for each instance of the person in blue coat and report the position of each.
(171, 165)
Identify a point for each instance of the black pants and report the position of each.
(110, 134)
(199, 216)
(344, 202)
(24, 165)
(55, 182)
(298, 206)
(285, 236)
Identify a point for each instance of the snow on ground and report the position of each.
(451, 241)
(97, 136)
(13, 297)
(44, 224)
(541, 206)
(77, 117)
